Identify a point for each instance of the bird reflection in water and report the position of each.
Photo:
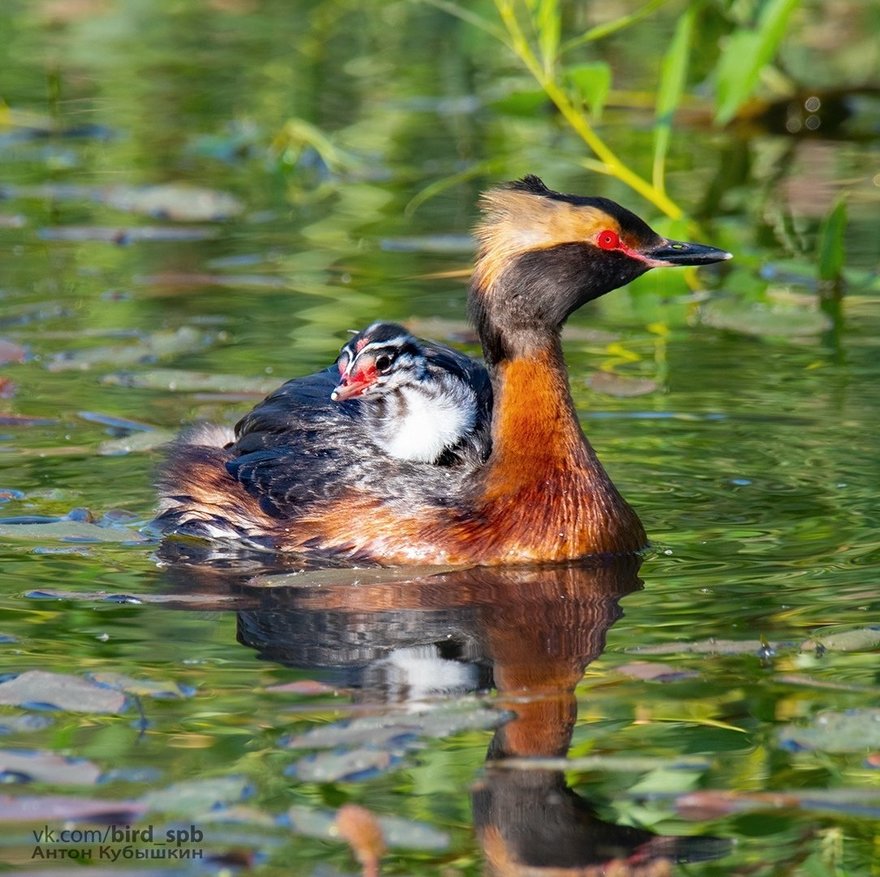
(529, 632)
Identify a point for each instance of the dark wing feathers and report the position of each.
(298, 447)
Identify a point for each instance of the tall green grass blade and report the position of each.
(744, 56)
(548, 24)
(673, 73)
(613, 26)
(832, 235)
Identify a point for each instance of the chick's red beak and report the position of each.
(354, 382)
(349, 388)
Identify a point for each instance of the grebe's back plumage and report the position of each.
(349, 429)
(291, 479)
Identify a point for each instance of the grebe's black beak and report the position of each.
(680, 253)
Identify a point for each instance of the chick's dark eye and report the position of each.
(383, 363)
(608, 239)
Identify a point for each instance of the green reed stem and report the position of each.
(543, 73)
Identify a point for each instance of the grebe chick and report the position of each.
(303, 476)
(420, 401)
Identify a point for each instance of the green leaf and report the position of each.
(592, 82)
(746, 53)
(548, 26)
(831, 243)
(672, 79)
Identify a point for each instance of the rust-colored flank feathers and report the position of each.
(301, 473)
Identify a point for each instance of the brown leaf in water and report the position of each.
(362, 831)
(11, 352)
(302, 686)
(655, 672)
(622, 386)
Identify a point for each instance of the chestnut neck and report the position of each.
(552, 493)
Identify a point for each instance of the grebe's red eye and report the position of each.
(608, 240)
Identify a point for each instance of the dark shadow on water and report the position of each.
(400, 636)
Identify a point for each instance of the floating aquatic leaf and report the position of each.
(380, 741)
(439, 722)
(125, 235)
(47, 767)
(200, 600)
(368, 730)
(193, 797)
(710, 647)
(137, 442)
(349, 766)
(711, 804)
(120, 423)
(25, 724)
(408, 834)
(862, 640)
(130, 775)
(750, 318)
(810, 682)
(63, 808)
(654, 672)
(181, 203)
(155, 346)
(21, 420)
(607, 763)
(189, 381)
(434, 243)
(310, 578)
(241, 814)
(140, 687)
(856, 730)
(399, 833)
(621, 385)
(69, 531)
(181, 280)
(301, 686)
(60, 691)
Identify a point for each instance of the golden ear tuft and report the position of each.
(519, 217)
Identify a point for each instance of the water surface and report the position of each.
(251, 707)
